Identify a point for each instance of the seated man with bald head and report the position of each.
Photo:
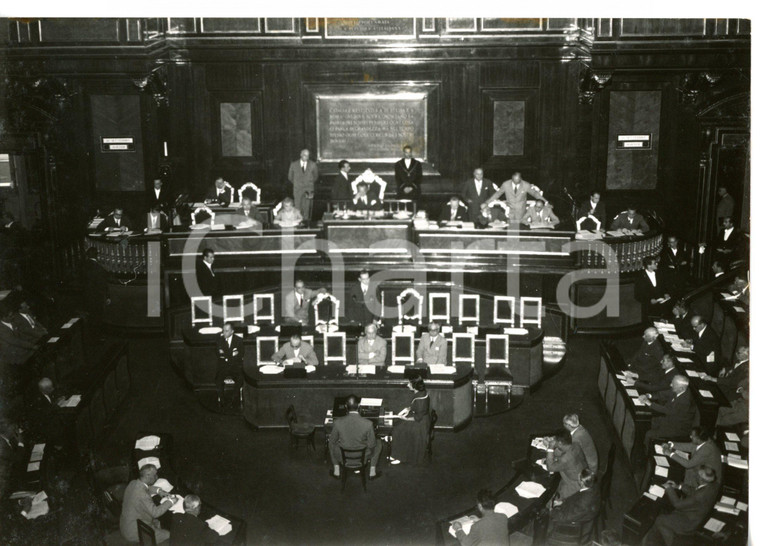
(371, 347)
(138, 504)
(189, 529)
(674, 411)
(646, 361)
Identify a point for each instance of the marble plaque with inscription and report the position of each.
(371, 127)
(370, 27)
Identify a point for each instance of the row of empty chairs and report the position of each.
(262, 309)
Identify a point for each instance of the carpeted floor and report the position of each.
(287, 497)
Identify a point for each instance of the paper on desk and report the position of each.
(741, 506)
(37, 451)
(440, 369)
(661, 471)
(163, 483)
(310, 368)
(726, 508)
(219, 524)
(466, 522)
(179, 506)
(70, 402)
(506, 508)
(731, 436)
(657, 491)
(473, 330)
(730, 501)
(620, 376)
(53, 339)
(738, 463)
(732, 446)
(705, 393)
(539, 443)
(649, 495)
(39, 506)
(692, 373)
(738, 309)
(367, 369)
(714, 525)
(658, 449)
(371, 402)
(530, 490)
(637, 402)
(633, 393)
(661, 461)
(32, 467)
(149, 460)
(146, 443)
(396, 369)
(684, 359)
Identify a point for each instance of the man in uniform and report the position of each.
(408, 172)
(476, 191)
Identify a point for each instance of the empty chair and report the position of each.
(352, 461)
(299, 431)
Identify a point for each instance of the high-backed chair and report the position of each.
(233, 308)
(497, 350)
(402, 348)
(145, 534)
(534, 305)
(202, 209)
(251, 187)
(263, 308)
(352, 461)
(417, 315)
(200, 310)
(299, 431)
(436, 300)
(335, 347)
(504, 310)
(463, 349)
(266, 346)
(466, 314)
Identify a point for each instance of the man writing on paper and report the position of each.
(371, 347)
(432, 348)
(296, 353)
(540, 215)
(491, 528)
(353, 431)
(189, 529)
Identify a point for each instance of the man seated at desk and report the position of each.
(27, 326)
(296, 353)
(453, 211)
(156, 221)
(138, 504)
(220, 193)
(352, 431)
(658, 384)
(432, 348)
(296, 303)
(689, 511)
(703, 451)
(592, 214)
(646, 361)
(629, 221)
(371, 347)
(247, 216)
(189, 529)
(491, 528)
(288, 215)
(675, 410)
(567, 458)
(581, 506)
(491, 215)
(365, 199)
(540, 215)
(116, 221)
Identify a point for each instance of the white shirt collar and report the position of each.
(407, 161)
(728, 232)
(8, 324)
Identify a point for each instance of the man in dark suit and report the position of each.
(706, 346)
(452, 211)
(408, 173)
(651, 290)
(189, 529)
(689, 511)
(341, 187)
(592, 213)
(221, 192)
(248, 216)
(14, 349)
(353, 431)
(158, 196)
(630, 220)
(476, 191)
(116, 221)
(674, 264)
(703, 451)
(303, 174)
(582, 506)
(229, 362)
(727, 242)
(208, 282)
(662, 382)
(682, 321)
(156, 220)
(362, 294)
(138, 504)
(45, 420)
(731, 377)
(646, 361)
(675, 411)
(491, 528)
(567, 458)
(581, 436)
(96, 292)
(365, 200)
(27, 325)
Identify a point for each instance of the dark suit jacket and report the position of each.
(646, 361)
(225, 198)
(579, 507)
(302, 181)
(600, 213)
(492, 528)
(230, 356)
(675, 414)
(675, 268)
(657, 385)
(408, 178)
(45, 422)
(727, 249)
(469, 195)
(110, 222)
(341, 189)
(733, 378)
(13, 348)
(445, 214)
(189, 530)
(703, 346)
(373, 202)
(582, 437)
(253, 214)
(163, 201)
(353, 431)
(689, 512)
(644, 291)
(621, 222)
(208, 282)
(357, 308)
(569, 464)
(163, 221)
(26, 331)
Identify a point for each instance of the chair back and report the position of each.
(290, 415)
(353, 458)
(571, 533)
(145, 534)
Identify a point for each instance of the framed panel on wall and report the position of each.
(509, 127)
(237, 127)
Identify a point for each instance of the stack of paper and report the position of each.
(179, 506)
(371, 402)
(367, 369)
(657, 491)
(705, 393)
(732, 446)
(658, 449)
(738, 463)
(731, 436)
(506, 508)
(692, 373)
(440, 369)
(661, 471)
(147, 443)
(219, 524)
(633, 393)
(37, 451)
(149, 460)
(163, 484)
(661, 461)
(396, 369)
(714, 525)
(466, 522)
(530, 490)
(538, 443)
(310, 368)
(70, 402)
(39, 506)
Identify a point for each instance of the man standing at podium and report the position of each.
(303, 174)
(476, 191)
(516, 191)
(408, 173)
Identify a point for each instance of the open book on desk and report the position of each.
(219, 524)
